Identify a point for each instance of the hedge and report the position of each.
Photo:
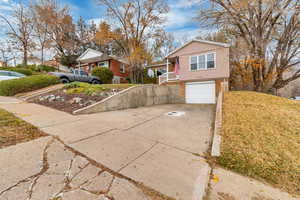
(37, 68)
(26, 84)
(24, 71)
(104, 74)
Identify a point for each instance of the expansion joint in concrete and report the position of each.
(149, 149)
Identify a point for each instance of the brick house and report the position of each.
(92, 58)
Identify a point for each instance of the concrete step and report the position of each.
(28, 95)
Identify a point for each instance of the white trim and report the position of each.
(156, 65)
(167, 69)
(201, 41)
(86, 51)
(200, 82)
(215, 60)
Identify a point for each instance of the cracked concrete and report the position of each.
(123, 142)
(134, 154)
(66, 175)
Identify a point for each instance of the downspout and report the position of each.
(167, 69)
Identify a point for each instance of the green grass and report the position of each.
(86, 88)
(261, 138)
(14, 130)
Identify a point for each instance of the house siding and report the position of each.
(197, 48)
(114, 66)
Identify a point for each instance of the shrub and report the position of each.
(26, 84)
(76, 85)
(37, 68)
(104, 74)
(84, 88)
(149, 80)
(24, 71)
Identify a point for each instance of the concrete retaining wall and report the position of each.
(137, 96)
(216, 144)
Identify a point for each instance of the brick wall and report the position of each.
(114, 66)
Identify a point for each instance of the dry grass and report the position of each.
(14, 130)
(261, 138)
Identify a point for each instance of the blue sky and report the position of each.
(179, 19)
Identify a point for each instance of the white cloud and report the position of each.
(187, 3)
(186, 34)
(177, 18)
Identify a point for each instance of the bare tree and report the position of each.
(20, 30)
(270, 30)
(164, 45)
(41, 30)
(135, 22)
(60, 27)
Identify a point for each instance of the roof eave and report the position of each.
(225, 45)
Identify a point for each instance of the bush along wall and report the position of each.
(38, 68)
(26, 84)
(24, 71)
(105, 75)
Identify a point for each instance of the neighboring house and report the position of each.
(155, 70)
(32, 60)
(292, 89)
(92, 58)
(57, 65)
(200, 68)
(3, 64)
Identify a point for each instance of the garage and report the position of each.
(200, 92)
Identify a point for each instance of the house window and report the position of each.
(194, 63)
(210, 61)
(203, 62)
(122, 68)
(101, 64)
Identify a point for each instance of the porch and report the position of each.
(170, 75)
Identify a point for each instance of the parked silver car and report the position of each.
(8, 75)
(297, 98)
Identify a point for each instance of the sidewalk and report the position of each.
(45, 169)
(169, 159)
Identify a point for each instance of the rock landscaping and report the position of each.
(77, 95)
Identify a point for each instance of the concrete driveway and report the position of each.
(164, 153)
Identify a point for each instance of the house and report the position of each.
(3, 64)
(157, 69)
(57, 65)
(200, 67)
(92, 58)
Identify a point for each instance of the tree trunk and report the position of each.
(42, 54)
(25, 56)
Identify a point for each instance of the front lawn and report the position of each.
(261, 138)
(76, 95)
(14, 130)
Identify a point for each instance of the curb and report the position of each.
(216, 143)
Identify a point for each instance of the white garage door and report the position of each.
(200, 92)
